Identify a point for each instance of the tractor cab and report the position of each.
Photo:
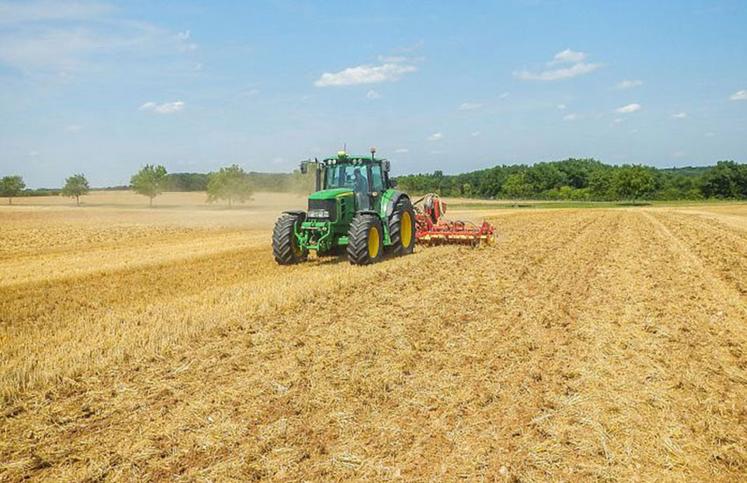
(365, 176)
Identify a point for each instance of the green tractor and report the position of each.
(354, 208)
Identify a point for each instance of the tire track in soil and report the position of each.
(662, 384)
(721, 252)
(322, 381)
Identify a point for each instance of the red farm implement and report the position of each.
(433, 229)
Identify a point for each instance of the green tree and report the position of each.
(725, 180)
(467, 190)
(600, 184)
(11, 186)
(516, 186)
(75, 187)
(231, 183)
(634, 182)
(149, 181)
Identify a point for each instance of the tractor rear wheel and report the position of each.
(365, 239)
(285, 247)
(402, 228)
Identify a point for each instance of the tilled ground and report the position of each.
(589, 344)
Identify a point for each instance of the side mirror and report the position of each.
(385, 165)
(304, 167)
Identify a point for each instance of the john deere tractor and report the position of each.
(354, 208)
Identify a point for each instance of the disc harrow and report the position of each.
(432, 228)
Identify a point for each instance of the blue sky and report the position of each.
(105, 87)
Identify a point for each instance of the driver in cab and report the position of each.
(360, 183)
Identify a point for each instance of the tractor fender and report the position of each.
(398, 195)
(299, 213)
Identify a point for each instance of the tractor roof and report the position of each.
(343, 157)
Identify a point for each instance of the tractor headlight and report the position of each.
(318, 213)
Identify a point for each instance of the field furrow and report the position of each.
(585, 344)
(721, 250)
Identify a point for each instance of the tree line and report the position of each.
(571, 179)
(587, 179)
(230, 184)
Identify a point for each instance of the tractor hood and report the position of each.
(330, 194)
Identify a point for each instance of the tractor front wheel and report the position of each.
(365, 239)
(285, 247)
(402, 228)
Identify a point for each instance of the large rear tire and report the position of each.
(285, 246)
(365, 239)
(402, 228)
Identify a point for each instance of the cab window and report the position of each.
(377, 182)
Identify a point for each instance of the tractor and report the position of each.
(355, 207)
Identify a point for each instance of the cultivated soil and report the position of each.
(166, 344)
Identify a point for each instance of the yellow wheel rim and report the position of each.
(405, 229)
(373, 242)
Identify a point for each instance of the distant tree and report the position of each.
(75, 187)
(545, 176)
(600, 184)
(11, 186)
(149, 181)
(517, 186)
(231, 183)
(467, 190)
(185, 182)
(634, 182)
(726, 180)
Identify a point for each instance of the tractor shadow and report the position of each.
(343, 258)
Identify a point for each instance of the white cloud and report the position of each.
(73, 128)
(183, 41)
(392, 59)
(561, 106)
(570, 117)
(574, 68)
(469, 106)
(474, 134)
(568, 56)
(164, 108)
(679, 115)
(436, 136)
(45, 38)
(628, 84)
(739, 96)
(504, 95)
(372, 94)
(39, 11)
(558, 74)
(629, 108)
(365, 74)
(248, 92)
(401, 150)
(618, 120)
(710, 134)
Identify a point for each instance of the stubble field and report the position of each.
(160, 344)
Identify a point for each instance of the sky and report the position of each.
(102, 88)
